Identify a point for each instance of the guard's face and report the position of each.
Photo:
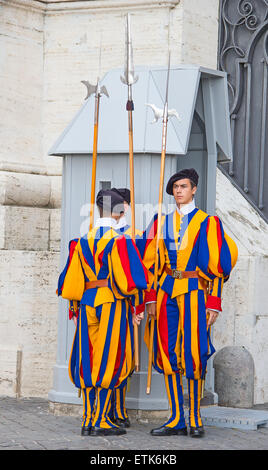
(183, 191)
(126, 207)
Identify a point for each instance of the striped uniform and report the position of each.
(182, 344)
(102, 353)
(118, 404)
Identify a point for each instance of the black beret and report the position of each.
(110, 201)
(182, 174)
(124, 192)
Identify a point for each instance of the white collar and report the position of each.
(122, 222)
(186, 208)
(105, 222)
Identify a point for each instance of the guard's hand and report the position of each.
(75, 320)
(211, 317)
(151, 309)
(137, 318)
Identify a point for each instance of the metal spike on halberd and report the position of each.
(129, 77)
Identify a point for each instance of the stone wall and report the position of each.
(47, 48)
(29, 209)
(244, 320)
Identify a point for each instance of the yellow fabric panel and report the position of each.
(194, 332)
(233, 249)
(129, 232)
(176, 412)
(213, 246)
(179, 336)
(180, 286)
(74, 282)
(166, 363)
(114, 341)
(104, 294)
(80, 357)
(118, 271)
(69, 365)
(194, 403)
(135, 300)
(129, 362)
(103, 421)
(187, 242)
(91, 238)
(149, 255)
(146, 336)
(97, 333)
(162, 255)
(149, 260)
(87, 408)
(214, 253)
(101, 246)
(180, 302)
(215, 286)
(114, 289)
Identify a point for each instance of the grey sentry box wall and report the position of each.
(199, 139)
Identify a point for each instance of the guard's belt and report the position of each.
(98, 283)
(177, 274)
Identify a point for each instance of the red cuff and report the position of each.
(214, 302)
(139, 309)
(72, 314)
(150, 296)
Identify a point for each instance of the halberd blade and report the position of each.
(96, 89)
(159, 112)
(129, 77)
(90, 88)
(104, 91)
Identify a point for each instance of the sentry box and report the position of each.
(198, 136)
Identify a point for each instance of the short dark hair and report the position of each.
(193, 185)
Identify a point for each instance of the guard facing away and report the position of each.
(103, 277)
(195, 258)
(122, 224)
(118, 412)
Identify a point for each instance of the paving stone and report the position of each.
(27, 424)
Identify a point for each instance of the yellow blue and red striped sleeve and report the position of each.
(72, 281)
(129, 275)
(147, 248)
(217, 257)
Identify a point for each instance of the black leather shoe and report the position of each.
(124, 423)
(86, 430)
(96, 431)
(165, 431)
(197, 432)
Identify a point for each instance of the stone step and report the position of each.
(236, 418)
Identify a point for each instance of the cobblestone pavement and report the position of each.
(28, 424)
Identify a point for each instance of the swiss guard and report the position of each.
(196, 258)
(103, 279)
(122, 224)
(118, 412)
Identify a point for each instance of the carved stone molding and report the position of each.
(52, 7)
(243, 55)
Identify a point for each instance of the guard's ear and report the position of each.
(194, 189)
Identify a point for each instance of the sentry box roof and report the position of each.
(192, 90)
